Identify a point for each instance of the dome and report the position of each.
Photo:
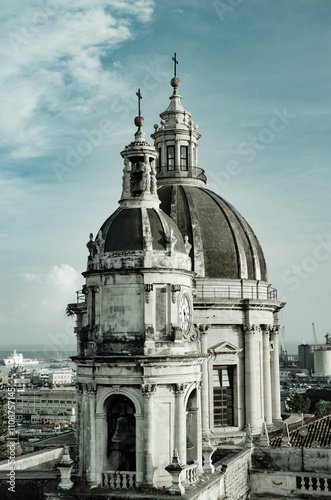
(223, 244)
(126, 229)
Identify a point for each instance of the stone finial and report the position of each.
(188, 245)
(264, 438)
(171, 242)
(148, 239)
(126, 179)
(99, 242)
(249, 439)
(65, 467)
(175, 469)
(90, 245)
(286, 437)
(153, 178)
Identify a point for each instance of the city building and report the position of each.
(316, 358)
(37, 405)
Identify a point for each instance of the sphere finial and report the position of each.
(139, 121)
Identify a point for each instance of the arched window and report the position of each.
(121, 423)
(191, 428)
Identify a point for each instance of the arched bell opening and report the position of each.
(121, 434)
(192, 428)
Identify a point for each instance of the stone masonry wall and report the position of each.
(236, 474)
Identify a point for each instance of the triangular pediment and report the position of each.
(224, 348)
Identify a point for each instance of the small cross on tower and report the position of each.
(175, 62)
(139, 99)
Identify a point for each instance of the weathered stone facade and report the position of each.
(177, 330)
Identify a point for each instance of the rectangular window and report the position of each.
(184, 158)
(159, 160)
(171, 157)
(223, 395)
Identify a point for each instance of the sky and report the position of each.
(255, 74)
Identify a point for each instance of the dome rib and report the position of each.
(241, 256)
(198, 242)
(253, 242)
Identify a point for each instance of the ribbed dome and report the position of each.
(126, 228)
(223, 243)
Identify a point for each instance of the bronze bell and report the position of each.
(189, 444)
(122, 433)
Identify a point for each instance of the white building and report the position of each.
(178, 335)
(61, 377)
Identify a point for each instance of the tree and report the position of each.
(298, 403)
(3, 427)
(322, 406)
(315, 395)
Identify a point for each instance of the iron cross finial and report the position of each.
(175, 62)
(139, 99)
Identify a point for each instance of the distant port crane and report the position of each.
(283, 351)
(314, 332)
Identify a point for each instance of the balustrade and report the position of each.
(310, 483)
(189, 475)
(120, 480)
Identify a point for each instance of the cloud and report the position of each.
(37, 304)
(53, 66)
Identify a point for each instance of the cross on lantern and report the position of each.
(139, 99)
(175, 62)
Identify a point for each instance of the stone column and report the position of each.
(91, 472)
(199, 429)
(251, 383)
(191, 161)
(180, 422)
(275, 382)
(140, 425)
(148, 391)
(101, 440)
(177, 157)
(205, 385)
(267, 393)
(79, 427)
(207, 448)
(163, 156)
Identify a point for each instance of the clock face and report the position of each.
(185, 313)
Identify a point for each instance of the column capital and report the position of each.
(275, 330)
(251, 329)
(148, 390)
(179, 389)
(266, 329)
(203, 329)
(90, 389)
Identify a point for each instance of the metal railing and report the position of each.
(232, 291)
(81, 297)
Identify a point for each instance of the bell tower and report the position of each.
(138, 351)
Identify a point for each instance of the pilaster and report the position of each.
(180, 422)
(267, 393)
(275, 381)
(148, 391)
